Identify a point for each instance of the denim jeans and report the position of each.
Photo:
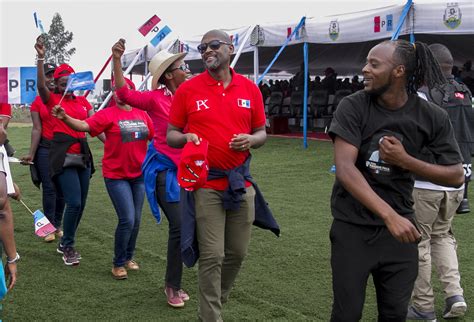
(74, 185)
(53, 201)
(174, 265)
(127, 196)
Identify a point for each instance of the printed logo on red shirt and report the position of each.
(201, 103)
(459, 95)
(133, 130)
(243, 103)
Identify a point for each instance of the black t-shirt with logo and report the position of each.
(361, 121)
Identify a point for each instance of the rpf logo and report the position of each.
(234, 39)
(386, 23)
(289, 31)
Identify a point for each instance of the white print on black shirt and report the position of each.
(133, 130)
(374, 164)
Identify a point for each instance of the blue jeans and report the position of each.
(127, 197)
(53, 201)
(174, 264)
(74, 185)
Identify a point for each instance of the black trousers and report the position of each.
(358, 251)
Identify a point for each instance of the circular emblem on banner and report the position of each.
(333, 30)
(452, 16)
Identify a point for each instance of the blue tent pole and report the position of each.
(305, 97)
(301, 23)
(403, 16)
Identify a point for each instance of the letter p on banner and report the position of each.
(17, 85)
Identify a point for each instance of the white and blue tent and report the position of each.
(339, 41)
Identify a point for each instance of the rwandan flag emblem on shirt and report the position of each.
(243, 103)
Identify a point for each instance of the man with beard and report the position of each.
(226, 110)
(378, 135)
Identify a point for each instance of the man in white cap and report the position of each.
(160, 165)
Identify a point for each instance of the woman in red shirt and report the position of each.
(41, 136)
(70, 160)
(127, 130)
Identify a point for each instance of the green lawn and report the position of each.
(283, 279)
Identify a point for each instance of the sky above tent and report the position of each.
(98, 24)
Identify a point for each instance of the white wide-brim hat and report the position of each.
(160, 62)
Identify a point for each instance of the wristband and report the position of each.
(12, 261)
(39, 59)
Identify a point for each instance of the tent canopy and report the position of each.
(341, 41)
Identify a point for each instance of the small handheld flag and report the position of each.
(42, 225)
(38, 23)
(148, 25)
(80, 81)
(160, 36)
(151, 25)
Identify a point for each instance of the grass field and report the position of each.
(286, 278)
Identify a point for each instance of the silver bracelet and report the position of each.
(16, 259)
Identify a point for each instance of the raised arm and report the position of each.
(43, 90)
(345, 155)
(117, 51)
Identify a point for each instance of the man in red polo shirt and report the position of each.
(225, 109)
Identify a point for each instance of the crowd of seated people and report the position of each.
(285, 97)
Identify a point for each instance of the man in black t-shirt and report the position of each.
(378, 134)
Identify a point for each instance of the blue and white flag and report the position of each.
(83, 81)
(160, 36)
(38, 23)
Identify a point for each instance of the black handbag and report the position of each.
(75, 161)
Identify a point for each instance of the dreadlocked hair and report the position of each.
(421, 67)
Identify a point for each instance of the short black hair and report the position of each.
(442, 54)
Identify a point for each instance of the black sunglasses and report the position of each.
(183, 67)
(213, 44)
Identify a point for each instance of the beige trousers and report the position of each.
(223, 238)
(434, 211)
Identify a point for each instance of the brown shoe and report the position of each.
(119, 273)
(49, 238)
(132, 265)
(59, 233)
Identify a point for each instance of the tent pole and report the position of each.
(241, 47)
(403, 16)
(255, 64)
(146, 66)
(300, 24)
(305, 97)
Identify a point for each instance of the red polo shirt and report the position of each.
(216, 114)
(45, 116)
(5, 110)
(76, 107)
